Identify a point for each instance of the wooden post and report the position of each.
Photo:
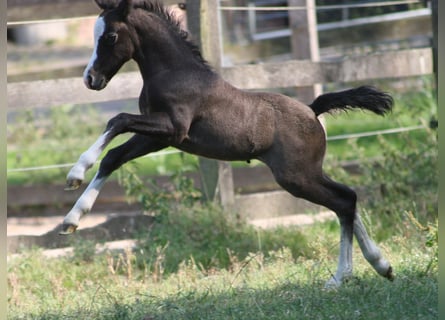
(434, 16)
(204, 24)
(304, 42)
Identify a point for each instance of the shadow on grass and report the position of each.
(411, 296)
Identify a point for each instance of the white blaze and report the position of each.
(99, 29)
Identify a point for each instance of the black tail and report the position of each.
(364, 97)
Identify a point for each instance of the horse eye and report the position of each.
(110, 38)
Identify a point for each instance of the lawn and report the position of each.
(262, 285)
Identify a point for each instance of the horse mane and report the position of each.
(157, 8)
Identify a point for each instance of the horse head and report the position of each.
(143, 30)
(113, 43)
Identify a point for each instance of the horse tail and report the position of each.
(364, 97)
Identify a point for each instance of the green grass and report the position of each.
(262, 285)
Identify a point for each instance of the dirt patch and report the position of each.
(296, 220)
(115, 228)
(114, 231)
(37, 226)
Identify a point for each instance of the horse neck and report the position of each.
(159, 49)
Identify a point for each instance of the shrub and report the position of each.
(188, 228)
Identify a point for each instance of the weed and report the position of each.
(431, 232)
(155, 199)
(403, 182)
(122, 263)
(84, 251)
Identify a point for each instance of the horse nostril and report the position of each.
(95, 81)
(90, 80)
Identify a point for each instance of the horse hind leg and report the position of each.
(339, 198)
(370, 250)
(347, 211)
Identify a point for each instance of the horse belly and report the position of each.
(228, 141)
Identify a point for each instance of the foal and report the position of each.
(185, 104)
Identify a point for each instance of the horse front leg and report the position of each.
(158, 124)
(82, 206)
(86, 160)
(135, 147)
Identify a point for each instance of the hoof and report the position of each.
(67, 229)
(73, 184)
(332, 284)
(389, 275)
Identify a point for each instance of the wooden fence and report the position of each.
(32, 10)
(204, 25)
(391, 64)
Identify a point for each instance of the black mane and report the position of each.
(157, 8)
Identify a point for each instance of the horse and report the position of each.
(185, 104)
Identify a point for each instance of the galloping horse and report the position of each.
(185, 104)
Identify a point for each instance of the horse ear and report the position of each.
(107, 4)
(126, 6)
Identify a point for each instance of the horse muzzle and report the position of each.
(95, 81)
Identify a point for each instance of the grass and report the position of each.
(262, 285)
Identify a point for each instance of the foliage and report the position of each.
(187, 228)
(404, 179)
(431, 231)
(84, 251)
(407, 180)
(155, 198)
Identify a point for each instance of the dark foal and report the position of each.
(186, 105)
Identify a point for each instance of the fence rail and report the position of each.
(27, 11)
(294, 73)
(321, 7)
(391, 17)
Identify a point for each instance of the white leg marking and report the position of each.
(88, 158)
(344, 267)
(370, 250)
(84, 204)
(99, 29)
